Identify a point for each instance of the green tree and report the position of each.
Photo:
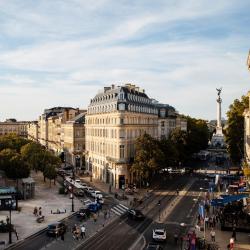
(170, 153)
(50, 173)
(17, 169)
(179, 140)
(148, 157)
(234, 133)
(12, 141)
(34, 154)
(5, 157)
(197, 136)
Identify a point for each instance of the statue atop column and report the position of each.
(219, 91)
(218, 138)
(219, 101)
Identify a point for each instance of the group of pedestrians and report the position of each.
(79, 231)
(211, 221)
(37, 211)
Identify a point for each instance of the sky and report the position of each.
(62, 52)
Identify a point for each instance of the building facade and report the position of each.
(58, 130)
(12, 126)
(116, 117)
(168, 120)
(33, 131)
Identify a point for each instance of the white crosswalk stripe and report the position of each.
(119, 209)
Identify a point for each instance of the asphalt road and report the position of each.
(184, 212)
(122, 233)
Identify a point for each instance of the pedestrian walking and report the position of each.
(206, 221)
(212, 234)
(231, 243)
(234, 234)
(95, 217)
(35, 211)
(78, 233)
(62, 236)
(83, 231)
(16, 234)
(7, 220)
(40, 211)
(175, 238)
(210, 222)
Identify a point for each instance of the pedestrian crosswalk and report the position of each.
(119, 209)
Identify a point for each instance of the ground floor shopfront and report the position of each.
(110, 172)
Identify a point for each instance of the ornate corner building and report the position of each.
(115, 118)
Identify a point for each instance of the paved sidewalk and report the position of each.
(222, 239)
(45, 197)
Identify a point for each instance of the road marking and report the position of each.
(119, 209)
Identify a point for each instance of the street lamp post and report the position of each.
(10, 228)
(72, 198)
(159, 204)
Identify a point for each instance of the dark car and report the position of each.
(83, 213)
(79, 193)
(153, 246)
(56, 229)
(135, 214)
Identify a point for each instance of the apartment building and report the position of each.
(168, 120)
(116, 117)
(12, 126)
(58, 130)
(73, 134)
(33, 131)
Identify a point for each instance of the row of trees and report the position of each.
(152, 154)
(18, 156)
(234, 132)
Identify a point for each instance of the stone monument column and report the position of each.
(219, 101)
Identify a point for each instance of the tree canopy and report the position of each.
(12, 141)
(148, 156)
(234, 133)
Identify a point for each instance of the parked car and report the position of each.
(61, 172)
(78, 181)
(159, 234)
(153, 246)
(96, 194)
(94, 207)
(67, 168)
(86, 202)
(56, 229)
(89, 191)
(84, 185)
(135, 214)
(83, 213)
(79, 193)
(99, 199)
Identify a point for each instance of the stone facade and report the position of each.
(115, 118)
(33, 131)
(11, 126)
(168, 120)
(58, 130)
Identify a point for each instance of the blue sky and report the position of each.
(60, 53)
